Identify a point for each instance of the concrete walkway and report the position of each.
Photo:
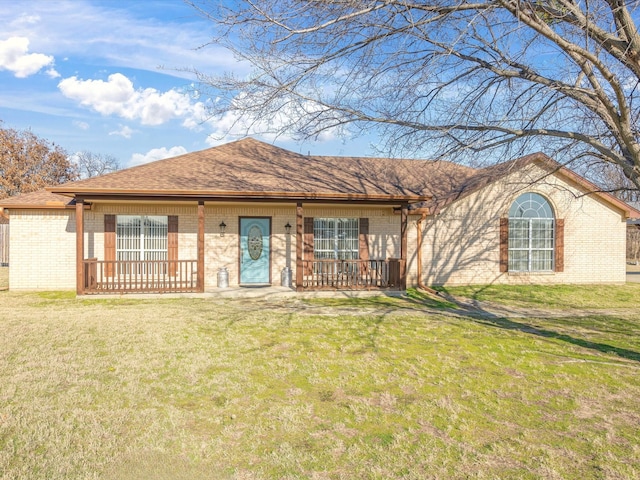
(264, 293)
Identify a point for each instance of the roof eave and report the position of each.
(629, 211)
(42, 206)
(197, 194)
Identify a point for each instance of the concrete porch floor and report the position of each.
(265, 293)
(283, 292)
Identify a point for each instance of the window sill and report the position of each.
(528, 274)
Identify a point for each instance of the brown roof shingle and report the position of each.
(39, 199)
(251, 168)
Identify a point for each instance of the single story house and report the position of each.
(250, 214)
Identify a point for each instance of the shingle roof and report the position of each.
(483, 177)
(252, 168)
(39, 198)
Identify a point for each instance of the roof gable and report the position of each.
(494, 173)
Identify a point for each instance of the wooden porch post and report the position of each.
(79, 246)
(403, 245)
(299, 264)
(200, 263)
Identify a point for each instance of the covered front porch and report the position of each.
(188, 275)
(157, 276)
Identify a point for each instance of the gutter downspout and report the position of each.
(422, 286)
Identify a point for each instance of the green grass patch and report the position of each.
(57, 295)
(412, 298)
(203, 388)
(554, 296)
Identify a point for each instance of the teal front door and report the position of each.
(255, 251)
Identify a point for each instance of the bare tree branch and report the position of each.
(434, 78)
(94, 164)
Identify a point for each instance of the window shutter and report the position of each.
(504, 245)
(307, 243)
(172, 244)
(559, 245)
(109, 243)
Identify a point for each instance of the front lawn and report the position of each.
(243, 389)
(604, 297)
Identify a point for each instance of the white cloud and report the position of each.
(124, 131)
(81, 125)
(52, 72)
(170, 38)
(14, 57)
(25, 19)
(156, 154)
(117, 96)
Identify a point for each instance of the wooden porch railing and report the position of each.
(140, 276)
(351, 274)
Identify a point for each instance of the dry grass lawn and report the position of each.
(202, 388)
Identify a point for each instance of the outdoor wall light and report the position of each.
(287, 228)
(223, 227)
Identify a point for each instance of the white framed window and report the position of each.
(531, 234)
(141, 237)
(336, 238)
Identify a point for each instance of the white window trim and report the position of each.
(142, 246)
(530, 249)
(332, 251)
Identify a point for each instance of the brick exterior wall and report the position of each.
(43, 250)
(223, 251)
(36, 231)
(460, 245)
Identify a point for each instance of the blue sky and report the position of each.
(108, 77)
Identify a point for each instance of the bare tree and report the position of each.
(612, 178)
(447, 78)
(93, 164)
(29, 163)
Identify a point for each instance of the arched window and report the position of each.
(531, 234)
